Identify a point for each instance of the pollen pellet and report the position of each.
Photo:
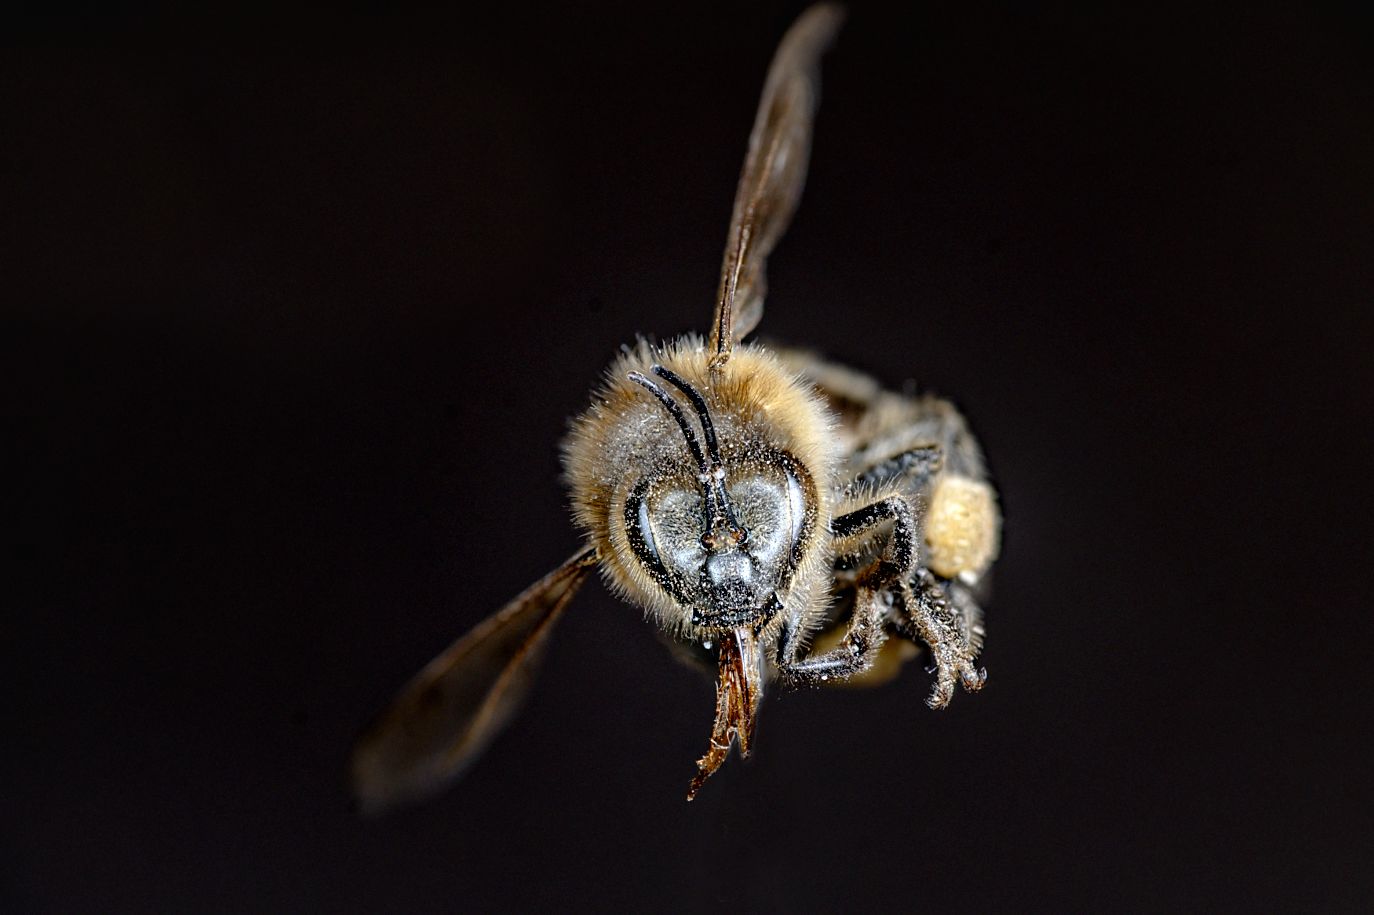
(961, 529)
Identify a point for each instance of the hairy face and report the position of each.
(722, 545)
(707, 493)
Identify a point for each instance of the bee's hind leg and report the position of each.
(950, 623)
(877, 591)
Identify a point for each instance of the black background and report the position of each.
(296, 307)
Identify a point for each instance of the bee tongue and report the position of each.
(737, 700)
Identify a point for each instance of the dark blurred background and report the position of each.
(296, 307)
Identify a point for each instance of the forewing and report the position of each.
(770, 183)
(452, 709)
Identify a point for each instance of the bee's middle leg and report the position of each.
(875, 596)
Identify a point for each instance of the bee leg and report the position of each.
(915, 466)
(950, 623)
(853, 655)
(875, 597)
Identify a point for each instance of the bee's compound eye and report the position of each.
(646, 530)
(675, 517)
(796, 506)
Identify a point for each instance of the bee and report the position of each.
(778, 517)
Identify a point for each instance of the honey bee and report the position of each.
(777, 516)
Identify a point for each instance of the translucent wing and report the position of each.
(774, 171)
(452, 709)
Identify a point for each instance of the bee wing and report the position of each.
(451, 710)
(770, 183)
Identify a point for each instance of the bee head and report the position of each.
(722, 544)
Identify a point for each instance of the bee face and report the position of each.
(707, 488)
(724, 543)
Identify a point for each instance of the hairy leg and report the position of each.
(952, 629)
(873, 601)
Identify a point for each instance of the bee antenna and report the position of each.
(707, 427)
(719, 508)
(675, 411)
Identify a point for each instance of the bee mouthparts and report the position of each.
(725, 619)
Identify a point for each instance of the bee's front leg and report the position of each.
(877, 589)
(953, 633)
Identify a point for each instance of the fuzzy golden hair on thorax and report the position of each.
(758, 406)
